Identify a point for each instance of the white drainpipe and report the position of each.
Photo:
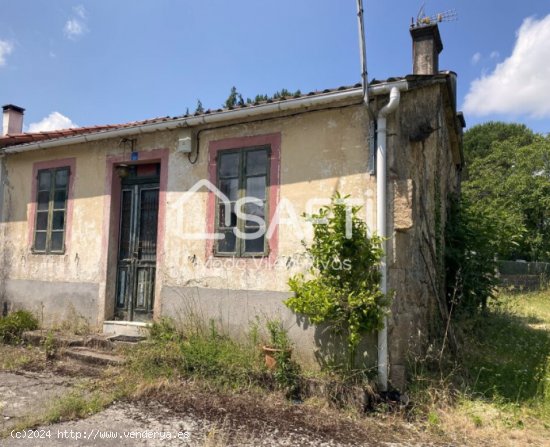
(381, 223)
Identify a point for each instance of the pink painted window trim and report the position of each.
(31, 219)
(274, 141)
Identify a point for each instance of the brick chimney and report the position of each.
(426, 48)
(13, 120)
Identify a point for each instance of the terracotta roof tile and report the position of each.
(12, 140)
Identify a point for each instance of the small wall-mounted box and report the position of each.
(185, 142)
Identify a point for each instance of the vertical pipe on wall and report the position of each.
(381, 225)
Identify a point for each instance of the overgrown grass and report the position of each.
(13, 358)
(203, 353)
(507, 352)
(501, 379)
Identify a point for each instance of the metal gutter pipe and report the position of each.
(381, 224)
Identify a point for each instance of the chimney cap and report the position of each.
(420, 32)
(15, 108)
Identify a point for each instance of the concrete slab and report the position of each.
(130, 328)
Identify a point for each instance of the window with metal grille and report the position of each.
(243, 176)
(51, 210)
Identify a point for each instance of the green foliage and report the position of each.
(511, 184)
(479, 139)
(234, 99)
(278, 335)
(469, 256)
(13, 326)
(77, 404)
(287, 371)
(49, 345)
(343, 287)
(503, 372)
(203, 353)
(164, 330)
(508, 352)
(200, 107)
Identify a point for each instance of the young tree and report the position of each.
(512, 185)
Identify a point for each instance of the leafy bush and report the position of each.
(470, 250)
(13, 326)
(343, 288)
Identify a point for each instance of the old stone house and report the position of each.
(115, 224)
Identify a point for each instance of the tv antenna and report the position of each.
(422, 19)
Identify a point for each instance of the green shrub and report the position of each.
(287, 371)
(13, 326)
(344, 287)
(470, 250)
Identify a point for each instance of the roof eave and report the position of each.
(318, 101)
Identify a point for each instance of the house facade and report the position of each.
(200, 216)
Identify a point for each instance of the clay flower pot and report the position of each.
(270, 355)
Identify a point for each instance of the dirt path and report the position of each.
(25, 394)
(167, 420)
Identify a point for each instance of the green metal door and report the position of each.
(137, 254)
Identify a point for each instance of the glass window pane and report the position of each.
(228, 244)
(58, 220)
(255, 245)
(257, 210)
(42, 220)
(121, 295)
(256, 162)
(40, 241)
(59, 199)
(148, 223)
(126, 212)
(44, 180)
(230, 187)
(61, 178)
(57, 241)
(229, 165)
(222, 210)
(255, 187)
(43, 200)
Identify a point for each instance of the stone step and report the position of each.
(92, 356)
(63, 340)
(128, 328)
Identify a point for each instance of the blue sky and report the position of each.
(99, 61)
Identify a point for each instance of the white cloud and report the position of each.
(5, 49)
(80, 11)
(76, 25)
(74, 28)
(494, 55)
(54, 121)
(476, 58)
(521, 83)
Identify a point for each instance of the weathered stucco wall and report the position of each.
(321, 152)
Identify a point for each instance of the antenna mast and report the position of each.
(363, 54)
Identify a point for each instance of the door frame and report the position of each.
(133, 265)
(110, 231)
